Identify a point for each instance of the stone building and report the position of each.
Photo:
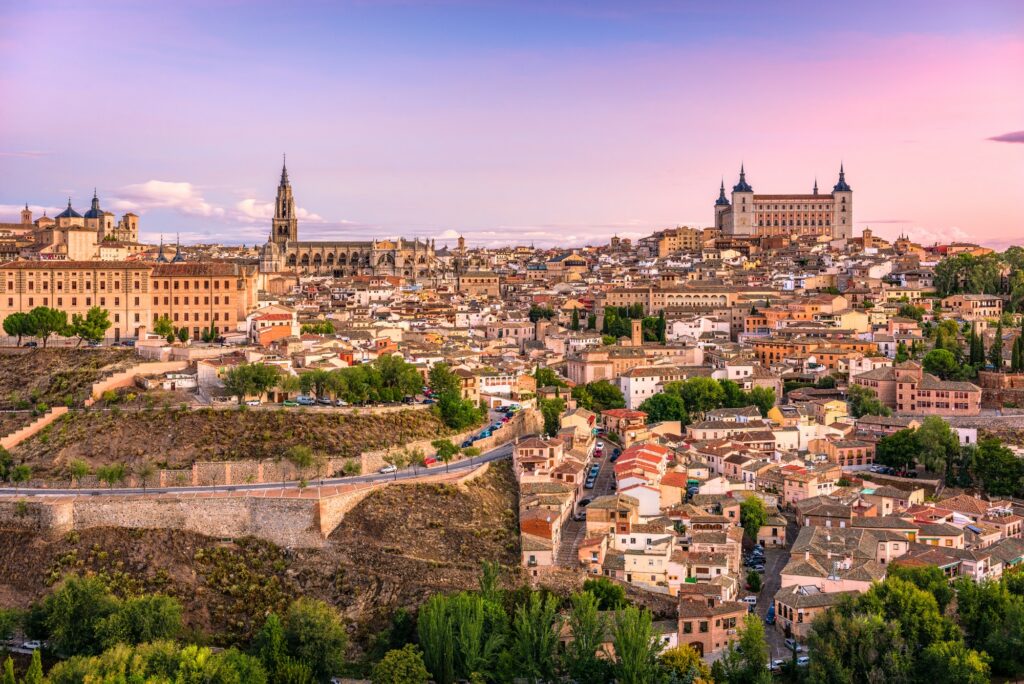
(414, 259)
(815, 214)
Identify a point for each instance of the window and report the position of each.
(703, 627)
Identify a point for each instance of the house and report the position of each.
(708, 624)
(906, 388)
(796, 606)
(625, 423)
(611, 514)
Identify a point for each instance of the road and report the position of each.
(775, 561)
(496, 454)
(573, 532)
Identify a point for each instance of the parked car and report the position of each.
(428, 400)
(759, 567)
(388, 469)
(614, 457)
(325, 401)
(583, 503)
(776, 665)
(803, 661)
(341, 402)
(468, 443)
(793, 645)
(600, 444)
(769, 619)
(33, 645)
(304, 400)
(580, 517)
(290, 402)
(253, 402)
(750, 600)
(589, 484)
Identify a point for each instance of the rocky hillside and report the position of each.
(395, 548)
(55, 376)
(174, 437)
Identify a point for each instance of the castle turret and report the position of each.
(842, 213)
(743, 206)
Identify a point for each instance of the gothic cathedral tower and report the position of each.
(285, 226)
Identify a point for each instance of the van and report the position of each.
(750, 600)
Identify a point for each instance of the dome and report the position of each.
(69, 212)
(722, 200)
(842, 185)
(94, 211)
(743, 185)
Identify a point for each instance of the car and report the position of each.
(290, 402)
(589, 484)
(253, 402)
(324, 401)
(912, 474)
(793, 645)
(614, 457)
(428, 400)
(583, 503)
(750, 600)
(304, 400)
(505, 420)
(759, 567)
(803, 661)
(388, 469)
(31, 344)
(468, 443)
(33, 645)
(580, 517)
(600, 444)
(769, 619)
(776, 665)
(341, 402)
(874, 468)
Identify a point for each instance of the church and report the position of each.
(413, 259)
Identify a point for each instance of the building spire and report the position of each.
(284, 169)
(842, 185)
(815, 186)
(722, 199)
(743, 185)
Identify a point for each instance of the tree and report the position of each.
(535, 637)
(111, 474)
(898, 449)
(951, 662)
(685, 666)
(73, 613)
(575, 323)
(940, 362)
(163, 326)
(78, 469)
(316, 637)
(552, 410)
(928, 577)
(91, 327)
(598, 396)
(763, 398)
(302, 457)
(144, 472)
(182, 334)
(20, 474)
(34, 674)
(864, 402)
(995, 352)
(754, 581)
(911, 311)
(701, 394)
(587, 627)
(753, 516)
(401, 666)
(269, 645)
(992, 619)
(938, 445)
(902, 354)
(150, 617)
(665, 406)
(999, 470)
(636, 646)
(478, 635)
(247, 379)
(46, 322)
(610, 596)
(546, 377)
(539, 312)
(18, 325)
(744, 661)
(437, 639)
(8, 675)
(446, 451)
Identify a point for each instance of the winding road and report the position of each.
(496, 454)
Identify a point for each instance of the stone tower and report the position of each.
(743, 219)
(721, 206)
(285, 226)
(842, 214)
(26, 216)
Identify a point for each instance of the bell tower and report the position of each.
(285, 226)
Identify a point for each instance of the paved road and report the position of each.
(405, 474)
(775, 561)
(573, 532)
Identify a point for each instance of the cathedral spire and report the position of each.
(284, 169)
(842, 185)
(815, 186)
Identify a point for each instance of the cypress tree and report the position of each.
(995, 352)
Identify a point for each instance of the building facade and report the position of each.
(815, 214)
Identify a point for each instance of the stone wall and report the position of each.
(46, 517)
(126, 378)
(20, 435)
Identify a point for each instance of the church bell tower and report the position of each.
(285, 226)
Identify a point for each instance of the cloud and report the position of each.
(1014, 137)
(155, 194)
(250, 209)
(24, 154)
(448, 235)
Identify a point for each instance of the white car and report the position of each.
(388, 469)
(253, 402)
(750, 600)
(600, 444)
(792, 645)
(803, 661)
(32, 645)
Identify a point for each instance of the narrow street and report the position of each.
(574, 531)
(775, 561)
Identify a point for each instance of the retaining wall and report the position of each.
(20, 435)
(126, 378)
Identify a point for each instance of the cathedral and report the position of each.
(814, 214)
(411, 259)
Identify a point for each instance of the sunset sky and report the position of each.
(512, 122)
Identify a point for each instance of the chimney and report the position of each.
(637, 338)
(807, 556)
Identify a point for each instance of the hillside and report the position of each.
(55, 376)
(393, 549)
(174, 438)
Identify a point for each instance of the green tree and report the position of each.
(34, 674)
(539, 312)
(998, 469)
(701, 394)
(163, 327)
(182, 335)
(112, 474)
(636, 646)
(587, 627)
(546, 377)
(995, 352)
(898, 450)
(91, 327)
(18, 325)
(763, 398)
(665, 406)
(535, 638)
(303, 458)
(575, 323)
(401, 666)
(46, 322)
(684, 665)
(477, 640)
(744, 661)
(269, 645)
(992, 619)
(150, 617)
(552, 410)
(754, 582)
(928, 578)
(864, 402)
(446, 451)
(911, 311)
(8, 674)
(598, 396)
(316, 637)
(20, 474)
(437, 639)
(609, 595)
(951, 662)
(941, 363)
(753, 516)
(78, 469)
(938, 445)
(73, 614)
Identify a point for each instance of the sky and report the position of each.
(511, 122)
